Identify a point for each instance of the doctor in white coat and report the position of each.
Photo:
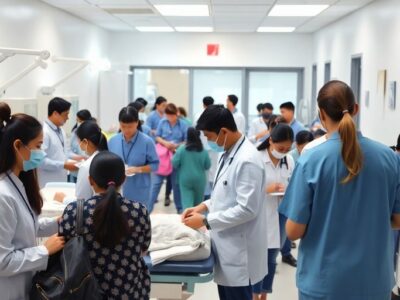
(236, 211)
(21, 137)
(55, 165)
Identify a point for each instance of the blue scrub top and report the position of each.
(296, 127)
(347, 250)
(153, 120)
(146, 130)
(175, 134)
(139, 151)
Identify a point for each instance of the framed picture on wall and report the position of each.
(392, 95)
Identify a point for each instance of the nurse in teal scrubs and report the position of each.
(138, 153)
(342, 202)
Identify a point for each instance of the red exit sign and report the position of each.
(212, 49)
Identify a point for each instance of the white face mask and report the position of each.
(278, 155)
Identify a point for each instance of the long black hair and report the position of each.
(25, 128)
(193, 142)
(90, 131)
(280, 133)
(83, 115)
(110, 223)
(129, 114)
(159, 100)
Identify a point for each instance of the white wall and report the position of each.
(236, 50)
(35, 25)
(373, 32)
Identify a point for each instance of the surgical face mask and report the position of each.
(36, 159)
(86, 149)
(142, 116)
(266, 116)
(278, 155)
(215, 147)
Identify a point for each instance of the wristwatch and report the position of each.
(205, 222)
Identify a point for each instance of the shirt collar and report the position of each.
(266, 157)
(16, 179)
(231, 152)
(335, 135)
(52, 125)
(131, 139)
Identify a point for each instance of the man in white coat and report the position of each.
(55, 165)
(238, 116)
(236, 211)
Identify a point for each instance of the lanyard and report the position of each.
(218, 177)
(130, 149)
(61, 138)
(23, 198)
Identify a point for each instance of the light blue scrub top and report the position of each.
(347, 250)
(139, 151)
(153, 120)
(146, 130)
(175, 134)
(296, 127)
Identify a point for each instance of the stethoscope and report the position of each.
(282, 162)
(221, 163)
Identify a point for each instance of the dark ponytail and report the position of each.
(110, 223)
(337, 100)
(129, 114)
(91, 131)
(25, 128)
(280, 133)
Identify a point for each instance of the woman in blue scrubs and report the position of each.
(156, 115)
(171, 133)
(138, 153)
(342, 201)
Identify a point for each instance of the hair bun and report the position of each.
(5, 112)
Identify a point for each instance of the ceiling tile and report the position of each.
(113, 3)
(243, 10)
(243, 2)
(143, 21)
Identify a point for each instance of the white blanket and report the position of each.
(172, 240)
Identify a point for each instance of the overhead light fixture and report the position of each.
(154, 29)
(198, 10)
(276, 29)
(297, 10)
(194, 29)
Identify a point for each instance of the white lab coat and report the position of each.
(257, 126)
(237, 218)
(240, 121)
(20, 257)
(52, 168)
(83, 187)
(279, 174)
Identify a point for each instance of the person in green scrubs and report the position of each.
(192, 161)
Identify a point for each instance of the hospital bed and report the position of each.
(177, 279)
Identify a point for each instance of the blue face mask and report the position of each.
(214, 146)
(36, 159)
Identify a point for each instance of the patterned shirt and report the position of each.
(121, 272)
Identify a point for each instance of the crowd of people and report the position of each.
(256, 190)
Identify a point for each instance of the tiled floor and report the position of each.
(284, 284)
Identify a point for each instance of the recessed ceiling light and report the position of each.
(297, 10)
(194, 29)
(183, 10)
(154, 29)
(276, 29)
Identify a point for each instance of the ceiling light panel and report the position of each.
(192, 10)
(194, 29)
(154, 29)
(276, 29)
(297, 10)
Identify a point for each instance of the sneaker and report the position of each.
(293, 245)
(290, 260)
(167, 201)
